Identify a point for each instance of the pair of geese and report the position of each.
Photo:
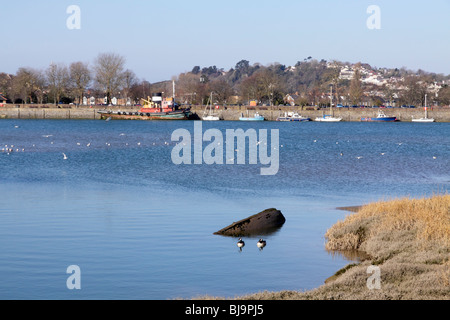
(260, 244)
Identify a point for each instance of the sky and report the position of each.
(161, 39)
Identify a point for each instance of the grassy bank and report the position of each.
(407, 239)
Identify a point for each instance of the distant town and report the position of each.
(309, 82)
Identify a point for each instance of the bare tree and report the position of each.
(109, 73)
(5, 83)
(188, 85)
(58, 80)
(313, 95)
(129, 80)
(80, 77)
(39, 84)
(355, 91)
(222, 90)
(415, 90)
(28, 83)
(443, 95)
(249, 88)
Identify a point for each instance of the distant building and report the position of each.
(290, 99)
(347, 73)
(374, 79)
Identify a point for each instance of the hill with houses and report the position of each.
(308, 82)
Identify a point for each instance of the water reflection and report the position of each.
(349, 255)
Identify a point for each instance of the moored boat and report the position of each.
(155, 108)
(329, 117)
(291, 116)
(424, 119)
(208, 114)
(256, 117)
(381, 117)
(151, 110)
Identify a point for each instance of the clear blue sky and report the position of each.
(161, 39)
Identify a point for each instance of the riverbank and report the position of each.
(404, 242)
(232, 113)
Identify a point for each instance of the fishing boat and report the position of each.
(329, 117)
(208, 115)
(424, 119)
(381, 117)
(291, 116)
(256, 117)
(155, 108)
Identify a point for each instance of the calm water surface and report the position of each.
(140, 227)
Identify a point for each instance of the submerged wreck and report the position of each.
(265, 222)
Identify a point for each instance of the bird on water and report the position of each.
(240, 243)
(261, 244)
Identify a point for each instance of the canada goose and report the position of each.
(240, 243)
(261, 244)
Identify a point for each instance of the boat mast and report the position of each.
(331, 100)
(173, 90)
(210, 104)
(426, 109)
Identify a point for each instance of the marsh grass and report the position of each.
(427, 218)
(408, 239)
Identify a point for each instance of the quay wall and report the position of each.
(9, 111)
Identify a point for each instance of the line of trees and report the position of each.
(308, 82)
(60, 83)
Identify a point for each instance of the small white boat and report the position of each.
(329, 117)
(210, 116)
(256, 117)
(425, 119)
